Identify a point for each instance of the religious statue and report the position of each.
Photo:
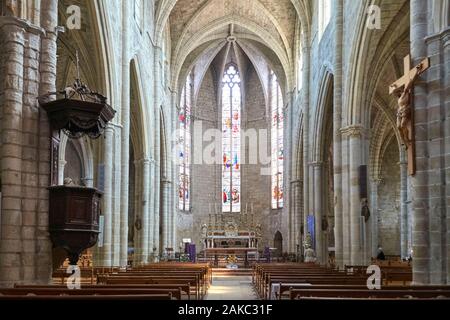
(258, 230)
(403, 88)
(138, 224)
(204, 230)
(404, 114)
(310, 255)
(69, 182)
(324, 223)
(365, 212)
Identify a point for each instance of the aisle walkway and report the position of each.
(231, 287)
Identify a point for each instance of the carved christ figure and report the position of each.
(404, 105)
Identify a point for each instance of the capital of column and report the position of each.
(377, 181)
(353, 131)
(316, 164)
(16, 22)
(109, 128)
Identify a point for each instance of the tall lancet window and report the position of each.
(184, 146)
(277, 134)
(231, 140)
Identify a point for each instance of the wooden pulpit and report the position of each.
(74, 219)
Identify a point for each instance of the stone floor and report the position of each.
(231, 287)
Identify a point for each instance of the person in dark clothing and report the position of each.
(380, 254)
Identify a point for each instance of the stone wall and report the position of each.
(389, 202)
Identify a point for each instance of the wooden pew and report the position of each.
(185, 289)
(367, 294)
(139, 297)
(287, 287)
(140, 280)
(174, 293)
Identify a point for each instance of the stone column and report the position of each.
(404, 223)
(306, 142)
(152, 229)
(374, 216)
(288, 222)
(146, 225)
(173, 196)
(165, 188)
(12, 49)
(337, 143)
(354, 135)
(115, 248)
(156, 174)
(321, 246)
(346, 235)
(355, 200)
(446, 103)
(107, 197)
(47, 72)
(138, 218)
(125, 142)
(61, 166)
(34, 178)
(421, 226)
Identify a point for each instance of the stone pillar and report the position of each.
(421, 226)
(287, 212)
(355, 200)
(156, 174)
(47, 72)
(346, 235)
(152, 232)
(116, 201)
(146, 225)
(374, 216)
(125, 142)
(430, 185)
(318, 211)
(404, 223)
(11, 257)
(337, 143)
(171, 163)
(34, 179)
(353, 135)
(306, 142)
(107, 197)
(165, 189)
(61, 166)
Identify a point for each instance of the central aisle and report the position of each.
(229, 286)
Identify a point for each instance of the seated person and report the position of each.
(380, 254)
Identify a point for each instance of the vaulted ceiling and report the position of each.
(263, 28)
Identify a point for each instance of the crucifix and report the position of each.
(403, 88)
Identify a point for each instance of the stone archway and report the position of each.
(278, 244)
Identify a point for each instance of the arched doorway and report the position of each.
(278, 244)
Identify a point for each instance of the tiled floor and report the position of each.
(231, 288)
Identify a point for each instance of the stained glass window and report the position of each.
(138, 8)
(277, 135)
(184, 146)
(231, 140)
(324, 15)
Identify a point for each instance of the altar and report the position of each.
(231, 236)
